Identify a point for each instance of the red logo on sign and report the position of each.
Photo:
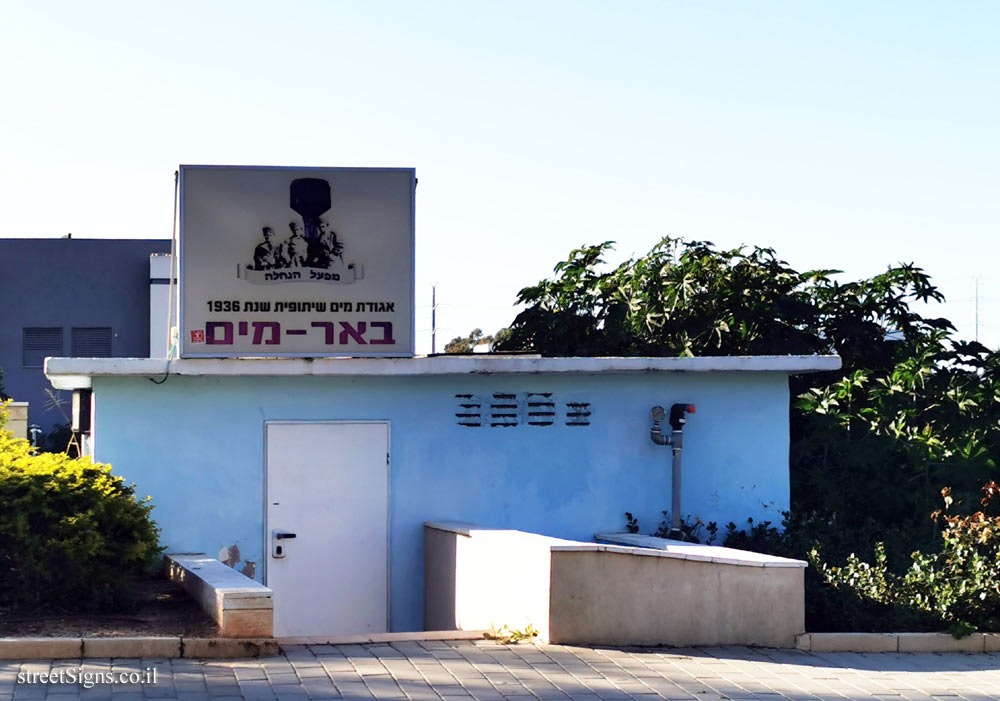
(198, 336)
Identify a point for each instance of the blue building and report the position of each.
(70, 297)
(351, 456)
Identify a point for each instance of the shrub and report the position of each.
(691, 528)
(957, 587)
(71, 533)
(829, 609)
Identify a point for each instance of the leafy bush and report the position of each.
(957, 587)
(691, 528)
(829, 609)
(71, 533)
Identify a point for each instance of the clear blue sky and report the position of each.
(844, 134)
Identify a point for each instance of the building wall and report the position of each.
(69, 283)
(195, 444)
(610, 598)
(160, 270)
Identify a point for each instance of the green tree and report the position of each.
(687, 298)
(467, 344)
(914, 409)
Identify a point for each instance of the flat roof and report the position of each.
(77, 373)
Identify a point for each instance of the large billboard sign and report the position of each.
(296, 261)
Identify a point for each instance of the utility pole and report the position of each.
(434, 319)
(977, 309)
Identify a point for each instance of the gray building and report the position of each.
(70, 297)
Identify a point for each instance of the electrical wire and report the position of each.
(171, 348)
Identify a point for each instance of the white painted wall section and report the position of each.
(159, 304)
(501, 578)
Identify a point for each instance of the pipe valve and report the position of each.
(657, 414)
(677, 412)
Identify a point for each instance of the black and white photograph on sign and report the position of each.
(296, 261)
(310, 244)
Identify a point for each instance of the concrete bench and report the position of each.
(241, 607)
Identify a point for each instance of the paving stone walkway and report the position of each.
(485, 670)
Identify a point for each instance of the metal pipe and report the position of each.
(676, 441)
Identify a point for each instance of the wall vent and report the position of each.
(470, 411)
(577, 413)
(541, 409)
(39, 343)
(507, 410)
(504, 410)
(90, 342)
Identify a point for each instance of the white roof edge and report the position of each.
(75, 373)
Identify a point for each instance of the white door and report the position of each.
(327, 527)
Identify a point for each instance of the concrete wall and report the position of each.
(589, 593)
(17, 419)
(615, 598)
(486, 578)
(66, 283)
(195, 444)
(440, 578)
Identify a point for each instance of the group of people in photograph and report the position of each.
(298, 251)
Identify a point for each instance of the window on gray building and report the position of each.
(38, 343)
(91, 342)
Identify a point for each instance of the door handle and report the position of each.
(278, 535)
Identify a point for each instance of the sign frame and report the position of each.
(185, 349)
